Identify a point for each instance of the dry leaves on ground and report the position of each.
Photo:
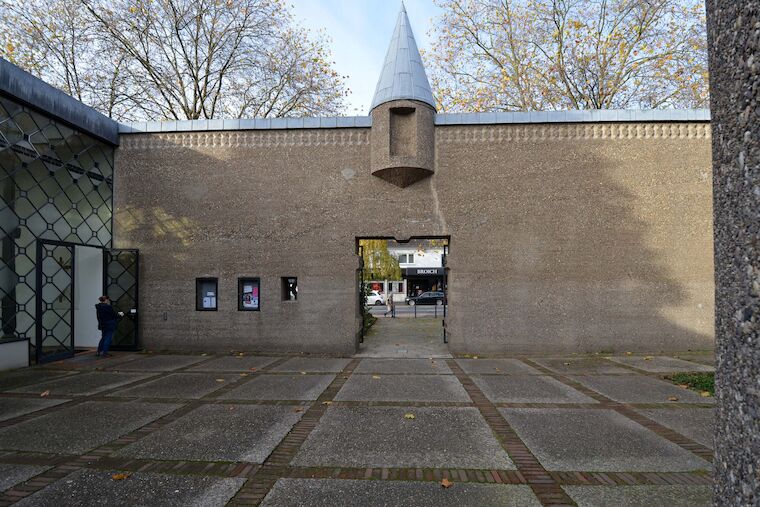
(44, 393)
(673, 398)
(298, 409)
(445, 483)
(327, 403)
(705, 394)
(120, 476)
(220, 380)
(375, 376)
(409, 415)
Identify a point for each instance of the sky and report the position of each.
(361, 31)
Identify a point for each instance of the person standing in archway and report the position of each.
(107, 320)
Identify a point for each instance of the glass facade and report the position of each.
(55, 187)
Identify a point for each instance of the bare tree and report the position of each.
(175, 59)
(569, 54)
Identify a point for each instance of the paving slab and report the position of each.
(161, 362)
(179, 385)
(83, 384)
(707, 358)
(219, 433)
(596, 440)
(496, 366)
(313, 364)
(641, 496)
(95, 487)
(14, 407)
(10, 475)
(452, 437)
(580, 365)
(417, 366)
(14, 379)
(528, 389)
(696, 423)
(281, 387)
(404, 338)
(413, 388)
(661, 364)
(358, 493)
(235, 363)
(90, 361)
(77, 429)
(640, 389)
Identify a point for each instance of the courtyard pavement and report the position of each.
(150, 429)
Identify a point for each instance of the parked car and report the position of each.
(375, 298)
(427, 298)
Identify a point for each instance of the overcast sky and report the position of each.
(361, 31)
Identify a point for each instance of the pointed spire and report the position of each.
(403, 75)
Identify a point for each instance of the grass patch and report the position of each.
(696, 381)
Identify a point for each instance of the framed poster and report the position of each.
(249, 294)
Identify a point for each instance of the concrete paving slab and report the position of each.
(707, 358)
(580, 365)
(528, 389)
(159, 363)
(10, 475)
(597, 440)
(90, 361)
(696, 423)
(77, 429)
(357, 493)
(496, 366)
(14, 407)
(235, 363)
(641, 496)
(405, 338)
(179, 385)
(640, 389)
(85, 488)
(219, 433)
(83, 384)
(14, 379)
(313, 364)
(418, 366)
(661, 364)
(403, 388)
(281, 387)
(455, 437)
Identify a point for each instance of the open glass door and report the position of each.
(55, 301)
(120, 283)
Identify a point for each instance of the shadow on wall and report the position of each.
(578, 245)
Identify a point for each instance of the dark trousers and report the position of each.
(105, 341)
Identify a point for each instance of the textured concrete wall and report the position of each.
(564, 238)
(735, 95)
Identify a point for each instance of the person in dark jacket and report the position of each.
(107, 319)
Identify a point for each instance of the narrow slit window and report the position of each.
(206, 290)
(289, 288)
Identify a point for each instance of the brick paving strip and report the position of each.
(261, 480)
(625, 409)
(74, 463)
(543, 484)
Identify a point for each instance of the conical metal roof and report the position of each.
(403, 76)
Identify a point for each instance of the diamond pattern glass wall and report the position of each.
(55, 184)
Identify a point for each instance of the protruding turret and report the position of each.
(403, 112)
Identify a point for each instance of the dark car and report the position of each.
(427, 298)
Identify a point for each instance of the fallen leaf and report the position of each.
(232, 408)
(220, 380)
(409, 415)
(345, 378)
(629, 353)
(120, 477)
(648, 358)
(705, 394)
(375, 376)
(567, 364)
(243, 374)
(497, 369)
(241, 354)
(446, 483)
(303, 373)
(298, 409)
(327, 403)
(204, 354)
(44, 393)
(673, 398)
(253, 369)
(474, 357)
(683, 386)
